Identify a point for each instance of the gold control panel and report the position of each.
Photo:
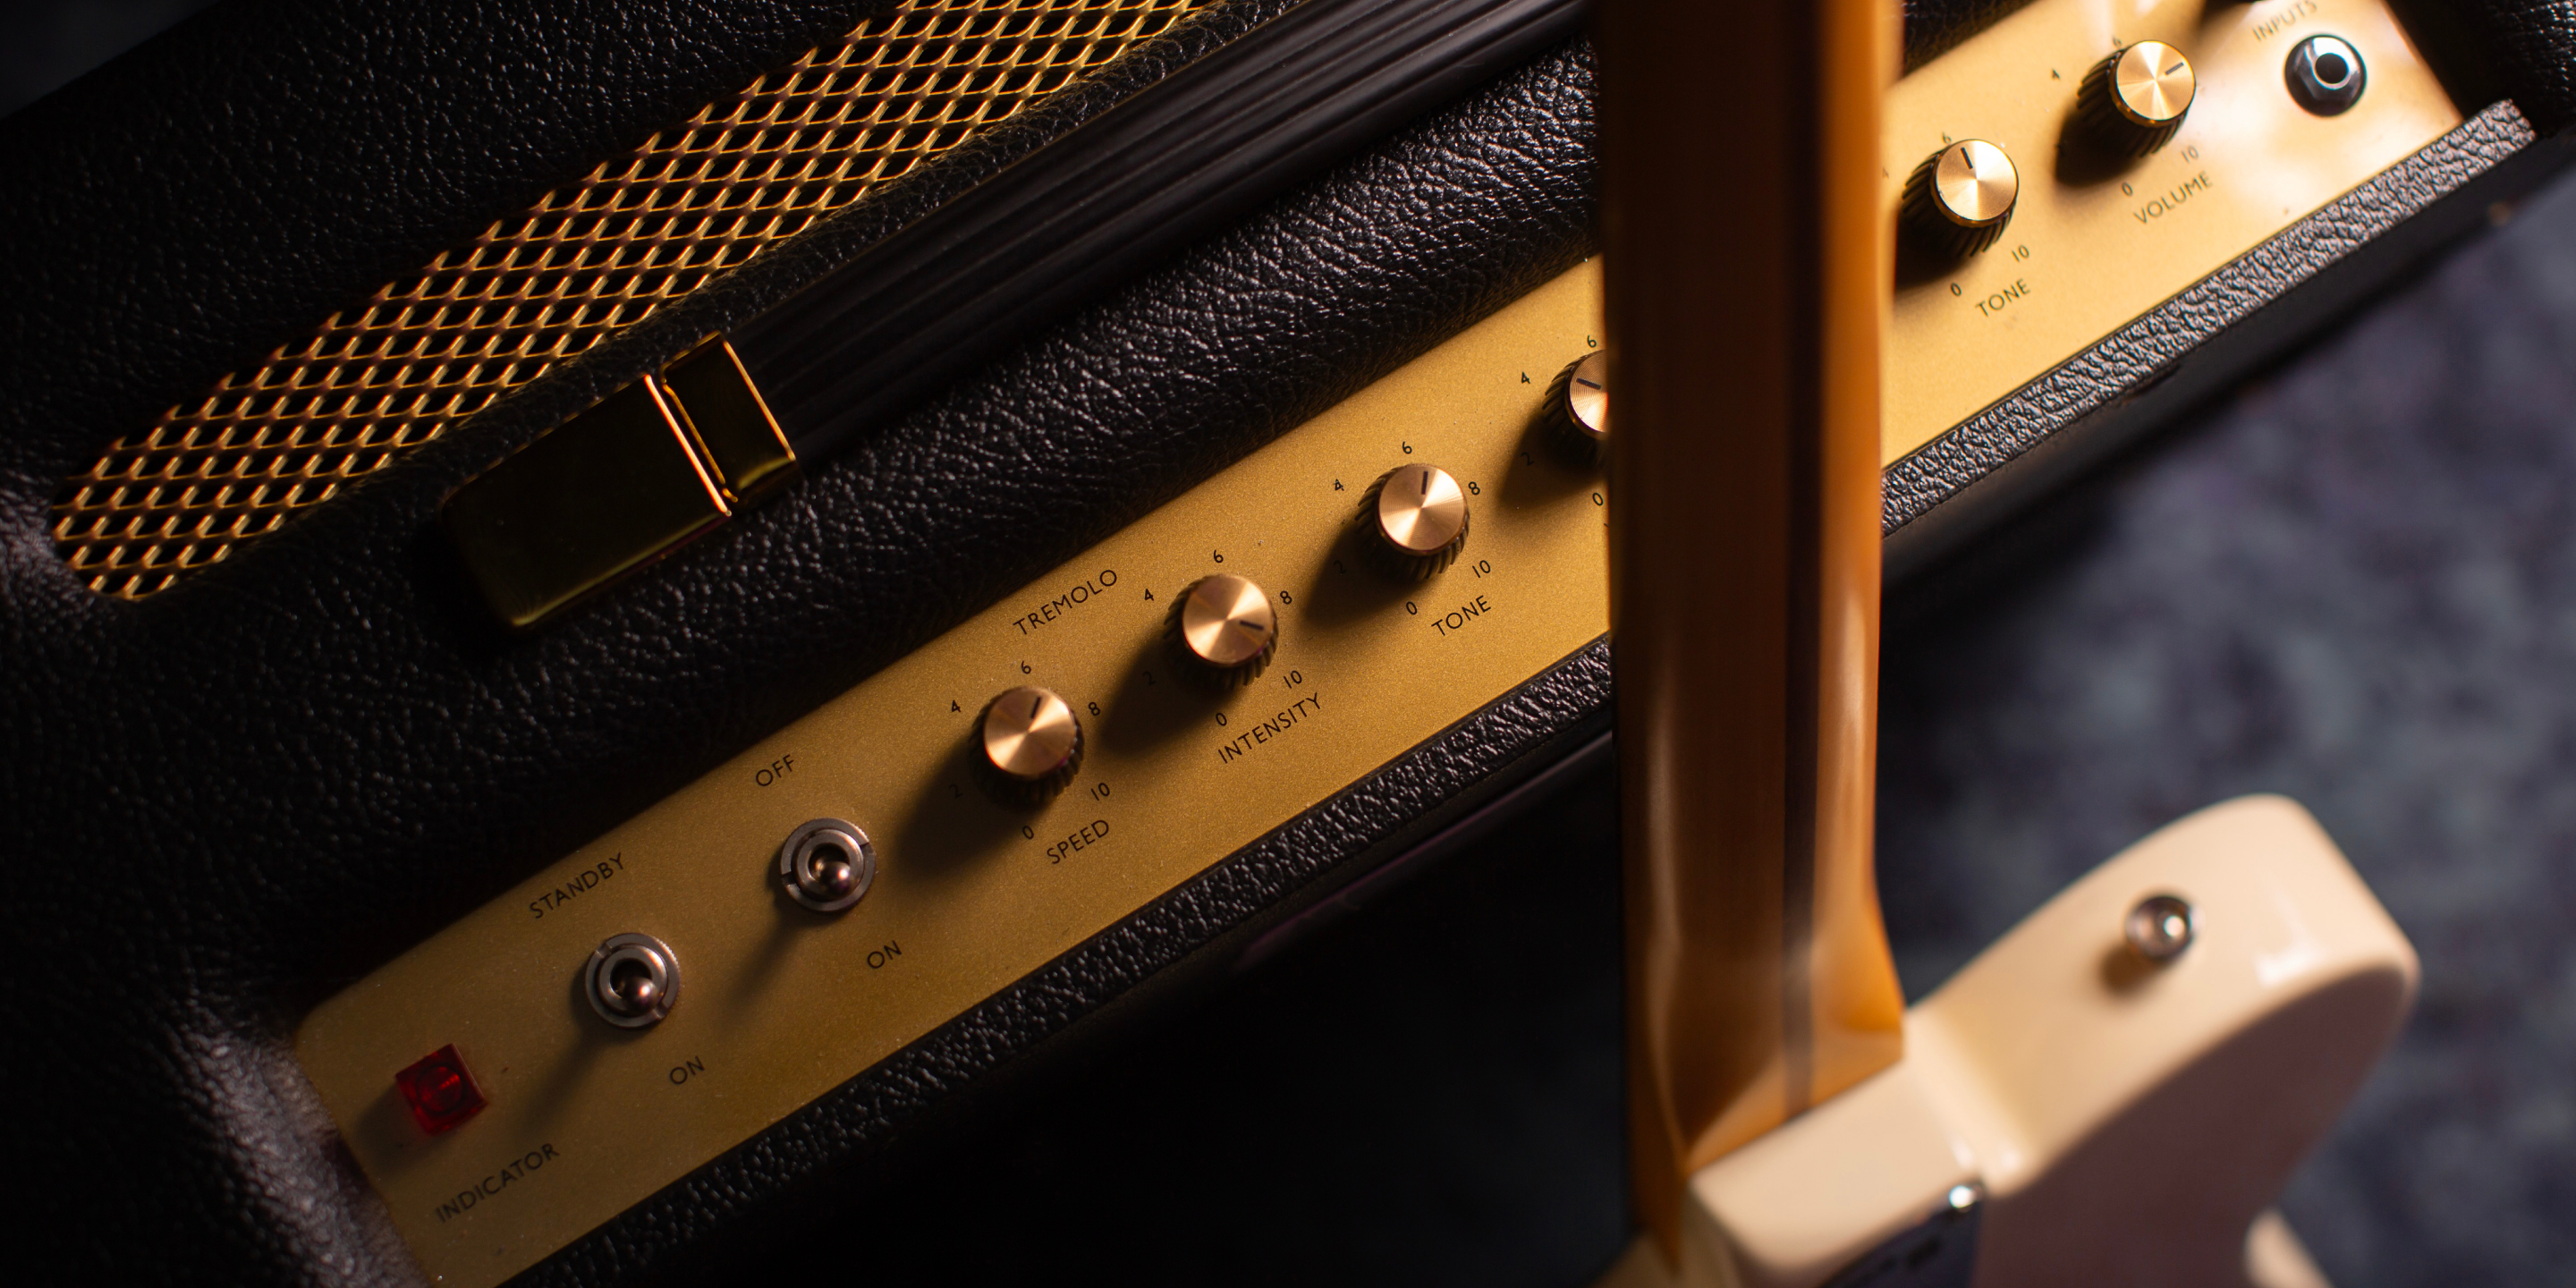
(1040, 772)
(981, 869)
(2094, 237)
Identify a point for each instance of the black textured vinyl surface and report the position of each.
(326, 752)
(1933, 26)
(2524, 50)
(52, 41)
(2353, 582)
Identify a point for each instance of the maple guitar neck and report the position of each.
(1747, 292)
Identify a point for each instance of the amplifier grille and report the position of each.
(598, 254)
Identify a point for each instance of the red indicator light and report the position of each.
(442, 1095)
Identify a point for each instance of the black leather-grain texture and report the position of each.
(2531, 47)
(229, 800)
(1932, 27)
(2524, 50)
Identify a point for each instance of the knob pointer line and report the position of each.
(1744, 318)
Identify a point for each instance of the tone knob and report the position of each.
(1958, 201)
(1224, 629)
(1028, 742)
(1418, 516)
(2134, 100)
(1578, 406)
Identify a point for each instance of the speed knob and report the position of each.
(1578, 406)
(1223, 629)
(1028, 743)
(1958, 201)
(1417, 518)
(2134, 100)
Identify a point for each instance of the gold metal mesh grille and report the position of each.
(745, 173)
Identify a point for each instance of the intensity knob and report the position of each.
(1417, 515)
(1578, 406)
(1223, 629)
(1028, 742)
(1958, 201)
(2134, 100)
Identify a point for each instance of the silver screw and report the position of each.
(2160, 927)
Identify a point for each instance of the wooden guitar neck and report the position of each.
(1748, 286)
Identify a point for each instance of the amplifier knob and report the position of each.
(1958, 201)
(1418, 517)
(1578, 406)
(1224, 629)
(2134, 100)
(1028, 742)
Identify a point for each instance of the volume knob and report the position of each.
(1578, 406)
(1418, 515)
(1028, 742)
(2131, 103)
(1958, 201)
(1224, 629)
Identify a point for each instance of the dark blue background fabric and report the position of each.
(2352, 582)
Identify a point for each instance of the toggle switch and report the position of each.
(632, 980)
(827, 864)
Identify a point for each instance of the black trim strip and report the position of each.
(1121, 193)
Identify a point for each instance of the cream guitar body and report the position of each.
(2113, 1094)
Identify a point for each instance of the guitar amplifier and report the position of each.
(654, 642)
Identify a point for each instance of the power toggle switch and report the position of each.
(2131, 103)
(1958, 201)
(827, 864)
(1028, 745)
(1223, 629)
(1417, 519)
